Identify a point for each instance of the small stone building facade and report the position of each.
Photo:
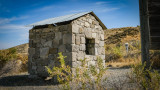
(77, 39)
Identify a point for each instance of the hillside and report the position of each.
(116, 54)
(22, 49)
(120, 35)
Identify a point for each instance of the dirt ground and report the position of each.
(116, 79)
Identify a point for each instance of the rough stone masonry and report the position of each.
(78, 39)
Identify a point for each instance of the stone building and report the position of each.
(77, 36)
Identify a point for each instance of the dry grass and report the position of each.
(121, 63)
(116, 55)
(11, 62)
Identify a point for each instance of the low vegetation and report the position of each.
(6, 55)
(12, 62)
(84, 77)
(145, 78)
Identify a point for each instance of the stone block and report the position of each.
(92, 26)
(88, 33)
(75, 48)
(31, 51)
(31, 36)
(102, 37)
(68, 48)
(74, 56)
(86, 24)
(75, 28)
(83, 41)
(90, 21)
(31, 43)
(34, 68)
(67, 38)
(96, 51)
(73, 38)
(58, 35)
(77, 39)
(43, 41)
(48, 44)
(97, 40)
(46, 30)
(62, 48)
(55, 43)
(101, 43)
(93, 35)
(41, 71)
(82, 47)
(80, 55)
(81, 30)
(44, 52)
(53, 51)
(82, 24)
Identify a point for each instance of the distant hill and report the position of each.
(120, 35)
(22, 49)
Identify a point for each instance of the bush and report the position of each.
(6, 55)
(84, 77)
(145, 78)
(117, 54)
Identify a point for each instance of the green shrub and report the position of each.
(117, 54)
(83, 77)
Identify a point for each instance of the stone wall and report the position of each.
(87, 27)
(70, 39)
(44, 45)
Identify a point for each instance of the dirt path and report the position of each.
(118, 79)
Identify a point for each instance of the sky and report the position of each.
(16, 14)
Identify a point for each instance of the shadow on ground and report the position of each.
(24, 80)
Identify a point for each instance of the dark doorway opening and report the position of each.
(90, 46)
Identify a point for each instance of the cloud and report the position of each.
(100, 3)
(8, 20)
(8, 28)
(102, 10)
(44, 8)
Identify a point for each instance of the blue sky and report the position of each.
(15, 14)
